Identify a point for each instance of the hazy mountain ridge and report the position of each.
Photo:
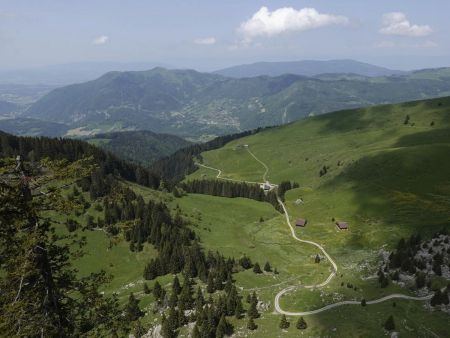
(307, 68)
(193, 104)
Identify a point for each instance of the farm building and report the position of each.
(342, 225)
(301, 222)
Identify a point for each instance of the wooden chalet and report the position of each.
(342, 225)
(301, 222)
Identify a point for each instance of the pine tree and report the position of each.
(173, 299)
(228, 285)
(267, 267)
(199, 300)
(252, 310)
(186, 294)
(390, 324)
(169, 325)
(222, 327)
(301, 324)
(176, 287)
(157, 291)
(238, 310)
(210, 286)
(181, 316)
(284, 324)
(146, 289)
(257, 268)
(251, 324)
(132, 310)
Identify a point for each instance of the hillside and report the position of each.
(199, 105)
(306, 68)
(142, 147)
(372, 157)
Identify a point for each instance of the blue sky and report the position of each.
(207, 35)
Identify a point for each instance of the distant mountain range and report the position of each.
(201, 105)
(306, 68)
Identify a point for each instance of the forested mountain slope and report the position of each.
(142, 147)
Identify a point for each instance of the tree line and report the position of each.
(231, 189)
(285, 186)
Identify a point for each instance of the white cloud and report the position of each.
(285, 19)
(396, 23)
(101, 40)
(205, 41)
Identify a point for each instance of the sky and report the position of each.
(209, 34)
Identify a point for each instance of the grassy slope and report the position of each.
(392, 181)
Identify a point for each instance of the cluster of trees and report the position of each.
(284, 323)
(210, 314)
(181, 163)
(246, 263)
(285, 186)
(37, 148)
(404, 259)
(230, 189)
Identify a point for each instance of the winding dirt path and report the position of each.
(332, 262)
(263, 164)
(345, 302)
(219, 174)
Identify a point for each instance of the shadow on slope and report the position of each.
(385, 116)
(406, 187)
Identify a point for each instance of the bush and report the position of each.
(284, 324)
(72, 225)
